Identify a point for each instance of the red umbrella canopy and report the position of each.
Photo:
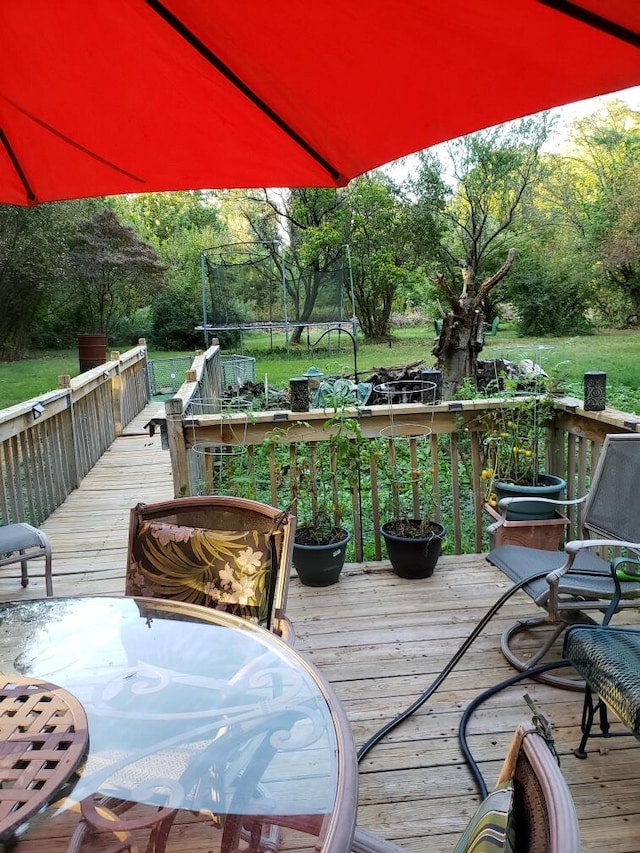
(100, 98)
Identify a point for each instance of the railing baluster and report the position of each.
(375, 506)
(455, 492)
(477, 488)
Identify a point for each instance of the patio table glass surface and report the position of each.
(189, 709)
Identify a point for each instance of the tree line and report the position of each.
(484, 224)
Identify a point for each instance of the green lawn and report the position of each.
(31, 377)
(615, 352)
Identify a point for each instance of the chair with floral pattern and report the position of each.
(229, 553)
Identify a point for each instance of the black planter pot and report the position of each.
(320, 565)
(413, 557)
(549, 486)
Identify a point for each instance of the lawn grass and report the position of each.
(617, 353)
(31, 377)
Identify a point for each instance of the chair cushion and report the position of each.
(15, 537)
(518, 562)
(225, 569)
(491, 829)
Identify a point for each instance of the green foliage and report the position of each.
(36, 294)
(175, 314)
(491, 173)
(549, 306)
(594, 195)
(134, 326)
(315, 220)
(513, 446)
(386, 239)
(406, 469)
(116, 272)
(163, 219)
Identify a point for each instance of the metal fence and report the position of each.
(238, 369)
(166, 375)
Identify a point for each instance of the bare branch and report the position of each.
(441, 282)
(490, 282)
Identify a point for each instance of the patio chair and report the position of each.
(198, 549)
(577, 579)
(608, 659)
(531, 805)
(20, 543)
(492, 328)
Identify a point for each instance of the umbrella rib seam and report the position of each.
(207, 54)
(579, 13)
(16, 165)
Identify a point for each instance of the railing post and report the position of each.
(116, 394)
(143, 343)
(177, 447)
(64, 381)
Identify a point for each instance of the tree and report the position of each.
(491, 173)
(116, 271)
(34, 288)
(312, 224)
(599, 188)
(385, 241)
(181, 226)
(550, 286)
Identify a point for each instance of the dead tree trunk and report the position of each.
(457, 348)
(462, 336)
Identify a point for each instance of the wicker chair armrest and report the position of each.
(563, 830)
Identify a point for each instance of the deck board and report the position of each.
(380, 641)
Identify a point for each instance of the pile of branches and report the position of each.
(403, 381)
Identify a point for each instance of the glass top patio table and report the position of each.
(195, 718)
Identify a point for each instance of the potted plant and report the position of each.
(514, 447)
(321, 540)
(514, 452)
(413, 539)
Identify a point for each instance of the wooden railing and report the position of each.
(258, 455)
(48, 444)
(199, 393)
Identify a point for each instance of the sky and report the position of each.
(570, 112)
(401, 169)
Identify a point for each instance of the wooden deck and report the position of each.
(380, 641)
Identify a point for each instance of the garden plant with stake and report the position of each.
(413, 537)
(322, 474)
(514, 450)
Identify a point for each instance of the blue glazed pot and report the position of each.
(549, 486)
